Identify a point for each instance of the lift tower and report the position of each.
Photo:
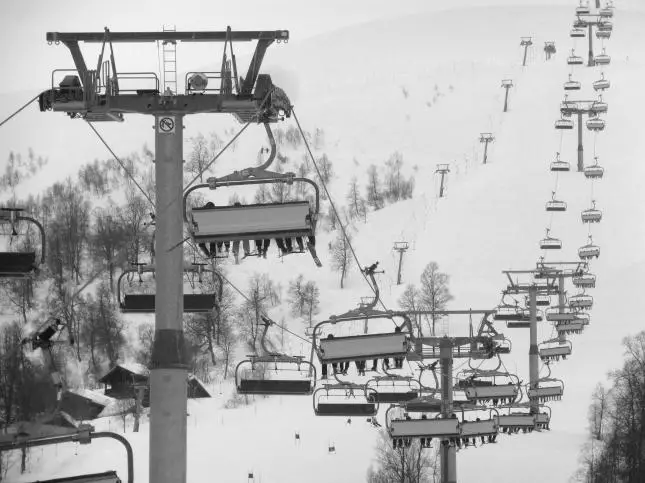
(506, 84)
(486, 138)
(579, 108)
(100, 95)
(603, 27)
(402, 247)
(484, 344)
(525, 42)
(443, 170)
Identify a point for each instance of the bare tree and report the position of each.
(109, 238)
(375, 196)
(412, 464)
(341, 256)
(356, 205)
(435, 294)
(411, 301)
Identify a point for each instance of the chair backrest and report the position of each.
(17, 264)
(363, 347)
(250, 222)
(145, 303)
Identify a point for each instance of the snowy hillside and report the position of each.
(351, 83)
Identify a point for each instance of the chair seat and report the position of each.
(346, 409)
(273, 386)
(17, 264)
(145, 303)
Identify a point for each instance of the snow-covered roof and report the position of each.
(133, 367)
(116, 407)
(93, 396)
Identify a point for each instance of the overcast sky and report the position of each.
(28, 58)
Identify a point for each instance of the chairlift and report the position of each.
(572, 85)
(423, 404)
(599, 106)
(581, 301)
(559, 165)
(484, 388)
(588, 251)
(583, 9)
(550, 243)
(560, 313)
(602, 59)
(540, 300)
(603, 34)
(255, 221)
(580, 23)
(543, 419)
(565, 328)
(595, 124)
(574, 59)
(345, 400)
(423, 427)
(567, 107)
(605, 26)
(555, 205)
(606, 12)
(547, 389)
(145, 302)
(515, 420)
(592, 215)
(584, 280)
(274, 373)
(594, 171)
(277, 374)
(20, 264)
(365, 346)
(602, 83)
(564, 124)
(577, 33)
(554, 349)
(393, 389)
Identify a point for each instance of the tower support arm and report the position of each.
(115, 37)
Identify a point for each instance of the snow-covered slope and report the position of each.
(350, 83)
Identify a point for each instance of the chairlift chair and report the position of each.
(602, 59)
(577, 33)
(594, 171)
(423, 428)
(423, 404)
(564, 124)
(515, 420)
(585, 280)
(595, 124)
(574, 59)
(554, 349)
(560, 313)
(550, 243)
(592, 215)
(583, 9)
(606, 12)
(572, 85)
(393, 389)
(145, 302)
(589, 251)
(574, 327)
(559, 165)
(581, 301)
(603, 34)
(605, 26)
(364, 346)
(274, 373)
(254, 221)
(580, 23)
(484, 386)
(556, 205)
(277, 374)
(20, 264)
(540, 300)
(599, 106)
(548, 389)
(543, 419)
(345, 400)
(602, 83)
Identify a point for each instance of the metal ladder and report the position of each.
(169, 62)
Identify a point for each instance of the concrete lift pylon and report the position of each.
(95, 95)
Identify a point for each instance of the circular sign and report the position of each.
(167, 124)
